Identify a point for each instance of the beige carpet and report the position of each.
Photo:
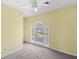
(31, 51)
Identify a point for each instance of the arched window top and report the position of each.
(39, 24)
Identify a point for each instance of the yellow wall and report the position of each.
(62, 25)
(11, 28)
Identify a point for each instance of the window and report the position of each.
(40, 34)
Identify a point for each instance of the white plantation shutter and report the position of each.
(40, 34)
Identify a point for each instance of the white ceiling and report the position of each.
(54, 4)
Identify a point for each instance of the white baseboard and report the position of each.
(66, 52)
(11, 52)
(58, 50)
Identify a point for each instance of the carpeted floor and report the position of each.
(31, 51)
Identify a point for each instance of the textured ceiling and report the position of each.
(23, 5)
